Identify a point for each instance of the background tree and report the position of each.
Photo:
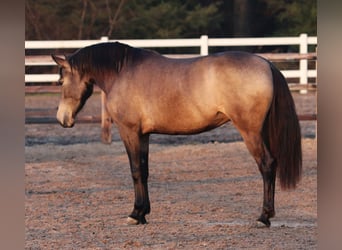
(293, 16)
(243, 18)
(138, 19)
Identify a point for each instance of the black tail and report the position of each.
(281, 132)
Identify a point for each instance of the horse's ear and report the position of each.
(62, 62)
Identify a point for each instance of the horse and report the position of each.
(148, 93)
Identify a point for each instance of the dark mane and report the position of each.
(104, 57)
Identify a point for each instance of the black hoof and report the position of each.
(264, 221)
(133, 220)
(142, 220)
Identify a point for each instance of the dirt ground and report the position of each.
(205, 190)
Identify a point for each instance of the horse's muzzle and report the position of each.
(67, 124)
(65, 119)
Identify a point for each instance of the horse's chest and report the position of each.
(121, 112)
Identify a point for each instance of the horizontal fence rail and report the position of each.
(43, 60)
(97, 119)
(303, 41)
(303, 73)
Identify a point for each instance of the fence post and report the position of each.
(204, 45)
(303, 63)
(316, 64)
(106, 121)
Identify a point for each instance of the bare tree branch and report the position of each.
(113, 21)
(84, 10)
(92, 17)
(33, 19)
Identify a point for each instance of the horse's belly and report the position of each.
(181, 125)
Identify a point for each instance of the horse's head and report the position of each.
(76, 89)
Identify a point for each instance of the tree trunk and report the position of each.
(242, 18)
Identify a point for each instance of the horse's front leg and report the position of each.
(137, 150)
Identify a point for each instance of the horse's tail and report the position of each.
(281, 131)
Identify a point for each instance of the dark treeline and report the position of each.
(151, 19)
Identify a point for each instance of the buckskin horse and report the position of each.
(149, 93)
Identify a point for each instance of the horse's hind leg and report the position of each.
(267, 167)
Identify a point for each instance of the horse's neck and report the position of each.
(104, 83)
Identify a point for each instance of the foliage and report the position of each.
(137, 19)
(294, 17)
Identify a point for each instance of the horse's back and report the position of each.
(241, 70)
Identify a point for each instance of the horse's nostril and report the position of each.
(70, 125)
(66, 124)
(65, 120)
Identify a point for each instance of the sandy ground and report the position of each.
(205, 190)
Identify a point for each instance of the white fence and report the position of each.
(303, 41)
